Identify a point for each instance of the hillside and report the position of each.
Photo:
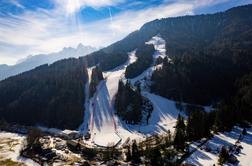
(206, 55)
(49, 95)
(209, 53)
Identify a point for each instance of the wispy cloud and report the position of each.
(49, 30)
(17, 4)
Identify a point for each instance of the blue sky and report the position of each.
(29, 27)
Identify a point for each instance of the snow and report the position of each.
(107, 139)
(113, 76)
(56, 131)
(159, 45)
(84, 126)
(164, 114)
(245, 157)
(105, 127)
(146, 74)
(100, 118)
(160, 51)
(10, 146)
(201, 157)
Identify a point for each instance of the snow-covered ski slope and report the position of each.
(165, 113)
(84, 126)
(106, 127)
(160, 51)
(203, 158)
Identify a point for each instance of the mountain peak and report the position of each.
(80, 46)
(33, 61)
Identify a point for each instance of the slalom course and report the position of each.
(103, 124)
(101, 121)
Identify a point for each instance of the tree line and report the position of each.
(144, 60)
(128, 103)
(49, 95)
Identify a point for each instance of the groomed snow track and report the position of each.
(105, 126)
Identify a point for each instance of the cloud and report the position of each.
(45, 31)
(17, 4)
(72, 6)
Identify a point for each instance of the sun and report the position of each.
(72, 6)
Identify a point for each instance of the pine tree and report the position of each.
(222, 121)
(168, 139)
(197, 125)
(155, 157)
(180, 123)
(179, 140)
(96, 77)
(180, 137)
(223, 155)
(128, 103)
(128, 154)
(135, 152)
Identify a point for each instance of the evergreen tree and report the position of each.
(128, 103)
(128, 154)
(144, 60)
(243, 98)
(180, 123)
(197, 125)
(44, 94)
(223, 155)
(168, 139)
(180, 137)
(135, 152)
(222, 121)
(155, 157)
(96, 77)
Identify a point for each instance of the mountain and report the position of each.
(33, 61)
(3, 67)
(208, 55)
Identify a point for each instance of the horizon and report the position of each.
(35, 27)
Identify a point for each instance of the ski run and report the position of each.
(105, 127)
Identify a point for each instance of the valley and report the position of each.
(178, 91)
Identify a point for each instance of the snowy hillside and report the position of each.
(165, 113)
(104, 125)
(100, 118)
(204, 158)
(36, 60)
